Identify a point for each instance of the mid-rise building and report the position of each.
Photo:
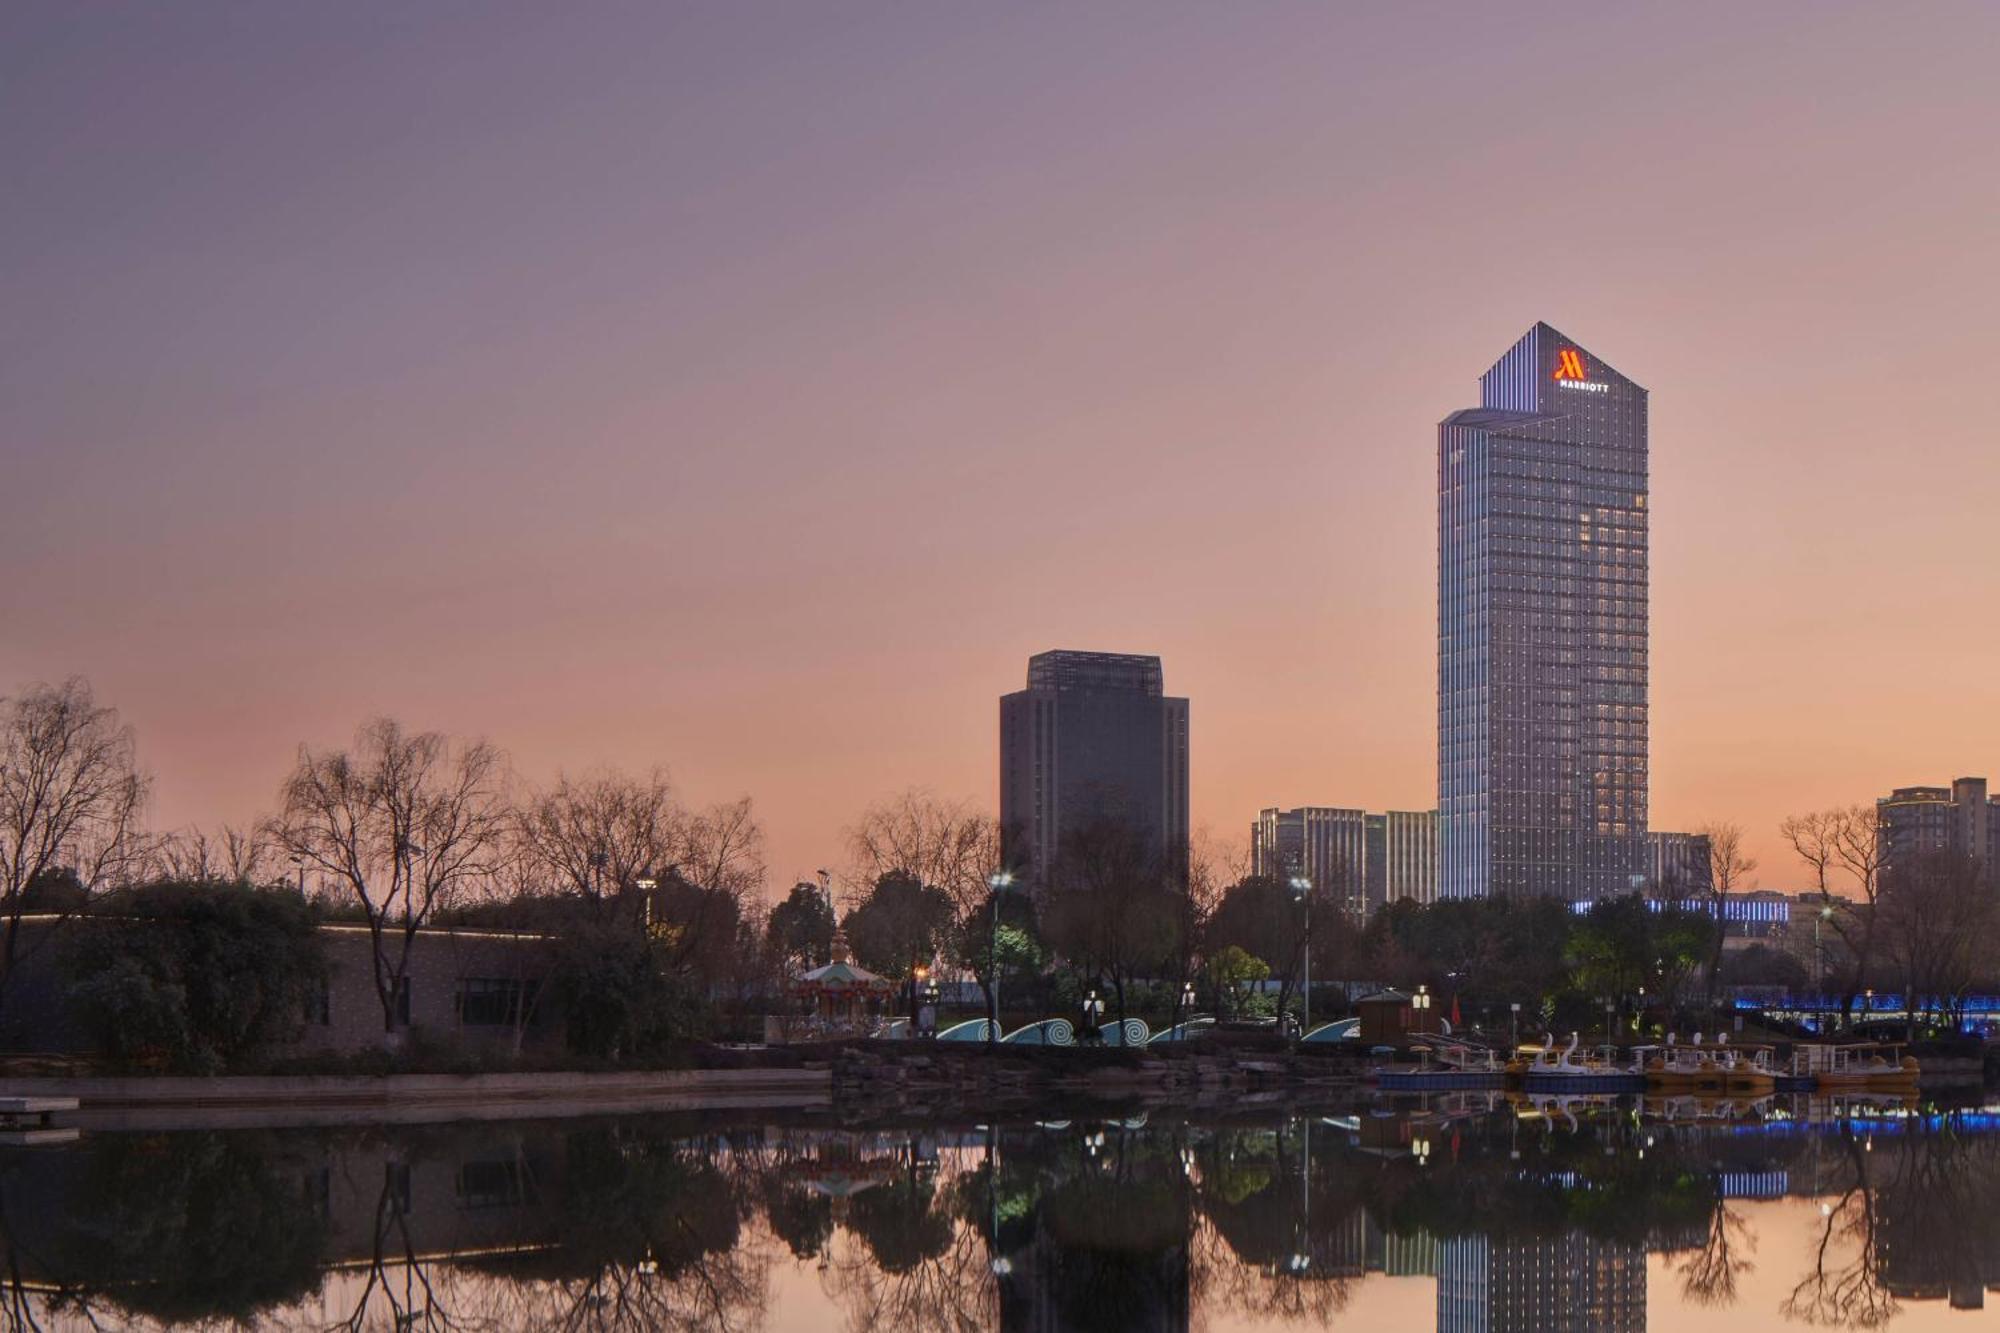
(1563, 1284)
(1542, 629)
(1366, 859)
(1680, 864)
(1093, 736)
(1960, 818)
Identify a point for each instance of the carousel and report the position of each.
(841, 997)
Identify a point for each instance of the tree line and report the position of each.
(651, 918)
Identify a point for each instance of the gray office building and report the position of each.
(1366, 859)
(1542, 624)
(1962, 818)
(1094, 735)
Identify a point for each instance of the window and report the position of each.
(494, 1001)
(396, 1187)
(495, 1183)
(319, 1004)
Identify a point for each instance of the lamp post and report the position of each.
(1823, 915)
(998, 881)
(1093, 1008)
(299, 864)
(917, 977)
(1187, 1006)
(406, 852)
(1514, 1008)
(1302, 890)
(1421, 1002)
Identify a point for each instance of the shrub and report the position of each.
(193, 976)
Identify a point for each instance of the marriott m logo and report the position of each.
(1569, 365)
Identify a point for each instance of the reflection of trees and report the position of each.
(643, 1231)
(910, 1254)
(186, 1228)
(1843, 1294)
(1914, 1221)
(1279, 1218)
(633, 1224)
(1709, 1270)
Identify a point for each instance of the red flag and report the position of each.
(1454, 1013)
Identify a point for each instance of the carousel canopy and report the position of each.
(842, 975)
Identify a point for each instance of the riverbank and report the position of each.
(279, 1101)
(849, 1079)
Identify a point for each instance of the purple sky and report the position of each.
(750, 389)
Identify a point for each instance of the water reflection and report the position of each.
(1564, 1214)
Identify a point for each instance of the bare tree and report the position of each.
(943, 844)
(241, 854)
(1730, 868)
(70, 799)
(1109, 907)
(950, 846)
(1843, 848)
(403, 823)
(1213, 865)
(722, 849)
(1937, 918)
(597, 836)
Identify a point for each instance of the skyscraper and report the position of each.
(1542, 627)
(1093, 736)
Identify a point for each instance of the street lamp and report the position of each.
(917, 977)
(1302, 890)
(300, 863)
(1421, 1002)
(1093, 1009)
(1187, 1005)
(1514, 1008)
(998, 881)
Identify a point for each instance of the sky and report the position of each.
(751, 389)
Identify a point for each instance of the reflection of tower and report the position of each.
(1568, 1285)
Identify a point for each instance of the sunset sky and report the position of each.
(750, 389)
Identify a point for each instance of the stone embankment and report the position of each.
(871, 1076)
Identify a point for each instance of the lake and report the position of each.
(1460, 1212)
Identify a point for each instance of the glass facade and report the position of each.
(1542, 629)
(1094, 735)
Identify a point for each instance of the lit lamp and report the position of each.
(1421, 1002)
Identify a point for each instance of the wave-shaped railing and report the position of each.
(1132, 1032)
(1187, 1031)
(1345, 1029)
(974, 1030)
(1048, 1032)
